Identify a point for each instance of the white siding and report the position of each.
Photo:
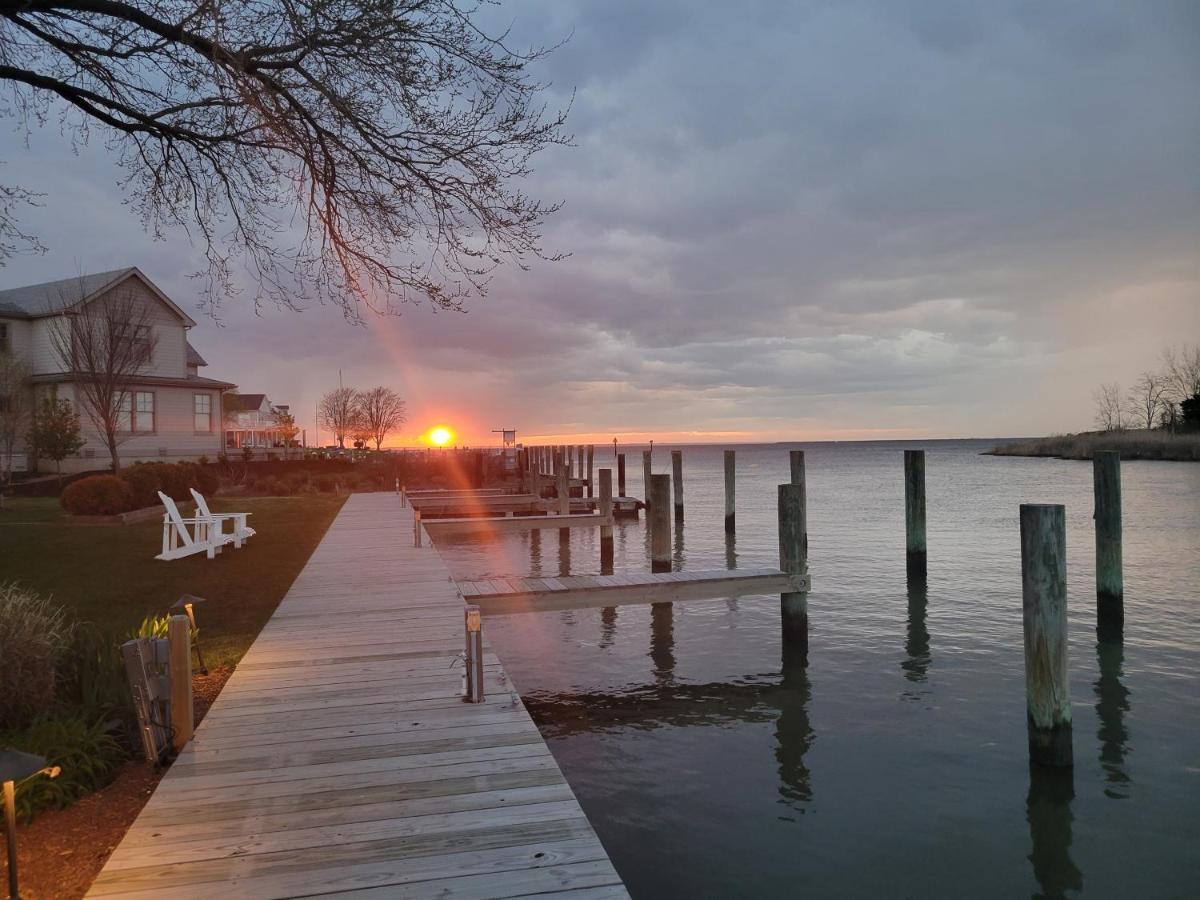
(173, 414)
(19, 336)
(43, 357)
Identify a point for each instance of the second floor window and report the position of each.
(202, 406)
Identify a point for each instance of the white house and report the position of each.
(252, 421)
(173, 412)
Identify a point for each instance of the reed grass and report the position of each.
(1130, 444)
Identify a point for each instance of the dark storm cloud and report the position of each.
(881, 211)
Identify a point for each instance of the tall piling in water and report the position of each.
(591, 458)
(730, 463)
(563, 489)
(646, 459)
(793, 559)
(1044, 607)
(914, 513)
(1110, 588)
(660, 523)
(677, 483)
(620, 474)
(606, 513)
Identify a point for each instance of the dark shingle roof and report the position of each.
(194, 358)
(51, 296)
(243, 402)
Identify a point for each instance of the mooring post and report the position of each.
(179, 666)
(591, 458)
(646, 466)
(1110, 589)
(796, 463)
(677, 482)
(416, 528)
(660, 523)
(730, 463)
(914, 513)
(793, 559)
(580, 453)
(620, 474)
(564, 492)
(606, 515)
(1044, 607)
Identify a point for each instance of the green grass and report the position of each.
(108, 574)
(1130, 444)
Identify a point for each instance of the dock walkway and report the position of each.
(340, 758)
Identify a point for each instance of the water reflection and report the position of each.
(535, 553)
(793, 731)
(1048, 810)
(608, 624)
(677, 555)
(916, 641)
(662, 640)
(564, 552)
(1112, 702)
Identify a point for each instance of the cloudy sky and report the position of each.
(787, 221)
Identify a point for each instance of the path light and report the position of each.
(17, 766)
(187, 603)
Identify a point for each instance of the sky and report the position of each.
(869, 219)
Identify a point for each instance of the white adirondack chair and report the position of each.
(184, 537)
(241, 531)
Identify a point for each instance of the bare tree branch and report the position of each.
(382, 412)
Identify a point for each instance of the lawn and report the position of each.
(107, 574)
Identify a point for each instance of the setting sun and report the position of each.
(440, 436)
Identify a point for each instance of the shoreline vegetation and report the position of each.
(1131, 444)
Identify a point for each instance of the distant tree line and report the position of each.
(363, 416)
(1167, 399)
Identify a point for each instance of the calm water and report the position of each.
(893, 761)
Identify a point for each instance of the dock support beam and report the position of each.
(606, 511)
(646, 461)
(914, 513)
(620, 474)
(179, 652)
(416, 527)
(564, 491)
(660, 522)
(1044, 607)
(1110, 589)
(591, 458)
(677, 483)
(793, 559)
(730, 464)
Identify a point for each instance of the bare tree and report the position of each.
(1110, 412)
(1181, 371)
(285, 425)
(382, 412)
(337, 412)
(1146, 399)
(388, 133)
(16, 407)
(104, 345)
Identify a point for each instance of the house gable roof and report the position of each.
(51, 297)
(193, 357)
(243, 402)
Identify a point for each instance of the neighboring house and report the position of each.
(174, 413)
(251, 422)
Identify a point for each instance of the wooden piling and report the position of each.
(1044, 606)
(606, 512)
(579, 456)
(591, 458)
(1110, 589)
(677, 483)
(620, 474)
(914, 513)
(796, 464)
(646, 464)
(660, 522)
(179, 655)
(730, 464)
(564, 492)
(416, 527)
(793, 559)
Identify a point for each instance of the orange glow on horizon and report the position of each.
(439, 435)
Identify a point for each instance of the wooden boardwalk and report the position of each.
(340, 759)
(515, 595)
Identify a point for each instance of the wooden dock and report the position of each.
(340, 756)
(514, 595)
(509, 524)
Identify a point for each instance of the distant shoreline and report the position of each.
(1154, 445)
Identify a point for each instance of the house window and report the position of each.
(202, 406)
(143, 411)
(125, 413)
(139, 337)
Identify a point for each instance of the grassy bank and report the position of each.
(1130, 444)
(108, 574)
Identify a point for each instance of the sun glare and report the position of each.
(440, 436)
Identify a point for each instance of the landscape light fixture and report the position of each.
(188, 603)
(17, 766)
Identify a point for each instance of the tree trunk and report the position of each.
(111, 439)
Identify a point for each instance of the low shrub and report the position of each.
(34, 634)
(272, 487)
(175, 480)
(97, 495)
(327, 484)
(91, 673)
(80, 744)
(145, 481)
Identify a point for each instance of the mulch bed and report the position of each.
(62, 851)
